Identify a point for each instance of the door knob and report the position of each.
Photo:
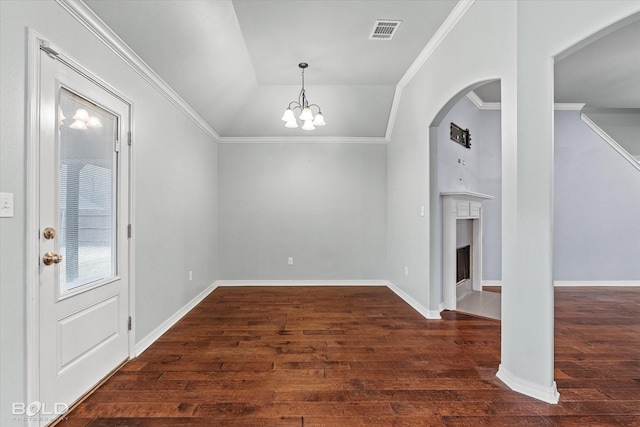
(51, 258)
(49, 233)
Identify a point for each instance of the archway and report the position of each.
(471, 174)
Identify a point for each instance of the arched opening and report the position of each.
(596, 188)
(465, 200)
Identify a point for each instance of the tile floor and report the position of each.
(480, 303)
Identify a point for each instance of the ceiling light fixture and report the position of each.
(306, 114)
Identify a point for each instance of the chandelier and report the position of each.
(309, 121)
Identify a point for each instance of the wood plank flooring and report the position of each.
(360, 356)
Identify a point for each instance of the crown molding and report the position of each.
(87, 17)
(568, 106)
(609, 140)
(456, 14)
(84, 15)
(558, 106)
(302, 139)
(452, 20)
(473, 97)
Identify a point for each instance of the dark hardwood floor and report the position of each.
(360, 356)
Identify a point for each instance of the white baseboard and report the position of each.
(592, 283)
(301, 283)
(492, 283)
(144, 343)
(569, 283)
(546, 394)
(428, 314)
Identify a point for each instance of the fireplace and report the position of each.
(461, 261)
(463, 264)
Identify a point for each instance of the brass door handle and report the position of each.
(51, 258)
(49, 233)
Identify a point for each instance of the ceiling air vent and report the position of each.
(384, 29)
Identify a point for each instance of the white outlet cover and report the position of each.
(6, 205)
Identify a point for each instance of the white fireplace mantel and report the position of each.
(460, 205)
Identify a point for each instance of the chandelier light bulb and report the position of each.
(291, 124)
(319, 120)
(288, 115)
(308, 125)
(306, 114)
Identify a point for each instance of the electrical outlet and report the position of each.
(290, 261)
(190, 275)
(406, 271)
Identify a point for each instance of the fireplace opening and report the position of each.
(463, 264)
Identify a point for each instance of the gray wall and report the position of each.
(322, 204)
(597, 201)
(175, 187)
(479, 170)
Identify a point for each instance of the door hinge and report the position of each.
(129, 137)
(117, 146)
(129, 231)
(129, 324)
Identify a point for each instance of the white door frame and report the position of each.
(36, 43)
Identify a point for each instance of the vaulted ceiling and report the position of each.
(235, 62)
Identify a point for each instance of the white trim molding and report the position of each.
(440, 35)
(492, 283)
(546, 394)
(568, 106)
(478, 102)
(425, 312)
(595, 283)
(153, 336)
(558, 106)
(84, 15)
(302, 140)
(428, 314)
(301, 283)
(609, 140)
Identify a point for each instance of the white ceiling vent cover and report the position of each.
(384, 29)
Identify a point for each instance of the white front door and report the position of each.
(84, 214)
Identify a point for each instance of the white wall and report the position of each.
(322, 204)
(596, 205)
(175, 187)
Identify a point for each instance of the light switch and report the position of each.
(6, 205)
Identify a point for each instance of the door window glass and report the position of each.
(87, 192)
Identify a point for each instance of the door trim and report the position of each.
(36, 42)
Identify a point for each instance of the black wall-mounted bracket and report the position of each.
(459, 135)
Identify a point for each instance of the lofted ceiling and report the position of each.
(235, 62)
